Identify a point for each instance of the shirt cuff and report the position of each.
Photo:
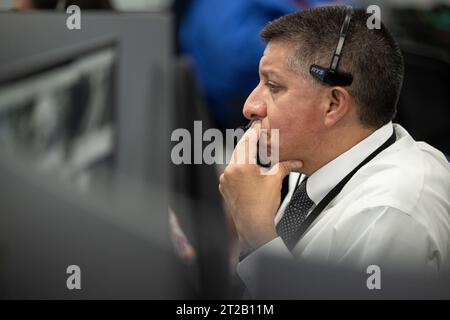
(247, 269)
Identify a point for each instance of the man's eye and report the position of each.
(272, 87)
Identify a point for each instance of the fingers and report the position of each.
(253, 141)
(282, 169)
(246, 150)
(290, 166)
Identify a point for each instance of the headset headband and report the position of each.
(331, 76)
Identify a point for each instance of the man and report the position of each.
(393, 211)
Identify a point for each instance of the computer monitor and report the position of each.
(76, 99)
(141, 44)
(117, 240)
(61, 119)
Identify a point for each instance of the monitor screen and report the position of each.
(61, 119)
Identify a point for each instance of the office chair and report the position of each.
(423, 108)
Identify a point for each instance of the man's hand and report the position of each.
(253, 198)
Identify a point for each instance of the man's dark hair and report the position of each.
(372, 56)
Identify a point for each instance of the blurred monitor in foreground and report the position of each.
(89, 103)
(280, 278)
(120, 241)
(61, 119)
(90, 107)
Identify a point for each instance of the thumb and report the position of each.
(287, 167)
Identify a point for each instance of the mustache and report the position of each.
(264, 164)
(249, 125)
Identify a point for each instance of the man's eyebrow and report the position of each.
(267, 73)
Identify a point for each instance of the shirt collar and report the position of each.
(323, 180)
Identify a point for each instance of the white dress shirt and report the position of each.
(393, 213)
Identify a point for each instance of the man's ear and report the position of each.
(338, 105)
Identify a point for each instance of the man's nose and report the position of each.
(255, 109)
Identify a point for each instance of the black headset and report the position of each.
(331, 76)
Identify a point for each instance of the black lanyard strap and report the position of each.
(334, 192)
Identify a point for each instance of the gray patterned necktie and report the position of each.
(294, 215)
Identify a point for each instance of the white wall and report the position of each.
(5, 4)
(123, 5)
(141, 5)
(419, 4)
